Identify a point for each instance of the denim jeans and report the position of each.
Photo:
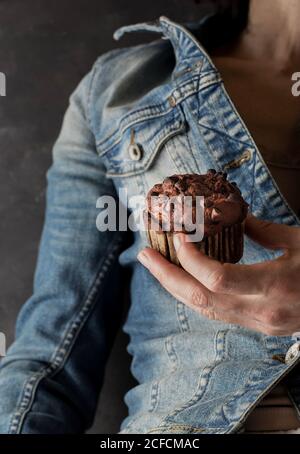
(194, 375)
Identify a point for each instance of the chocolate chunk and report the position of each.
(223, 203)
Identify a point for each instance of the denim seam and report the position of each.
(193, 40)
(141, 183)
(89, 95)
(227, 112)
(253, 182)
(154, 109)
(120, 131)
(278, 196)
(62, 353)
(182, 317)
(259, 155)
(192, 154)
(171, 352)
(210, 143)
(164, 422)
(154, 396)
(168, 135)
(199, 393)
(225, 133)
(176, 157)
(251, 381)
(151, 113)
(247, 385)
(280, 375)
(220, 344)
(99, 61)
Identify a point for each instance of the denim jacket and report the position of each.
(142, 113)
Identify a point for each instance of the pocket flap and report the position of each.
(134, 145)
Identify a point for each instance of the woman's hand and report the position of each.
(263, 296)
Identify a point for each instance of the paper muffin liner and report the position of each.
(226, 246)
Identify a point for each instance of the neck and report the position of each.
(273, 32)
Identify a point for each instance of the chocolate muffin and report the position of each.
(224, 214)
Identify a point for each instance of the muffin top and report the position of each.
(223, 202)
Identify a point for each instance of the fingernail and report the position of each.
(176, 242)
(143, 258)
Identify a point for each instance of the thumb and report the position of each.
(272, 235)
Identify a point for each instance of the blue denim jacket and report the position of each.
(194, 375)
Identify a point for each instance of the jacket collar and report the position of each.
(182, 36)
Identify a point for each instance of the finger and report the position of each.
(174, 279)
(194, 295)
(225, 278)
(234, 318)
(272, 235)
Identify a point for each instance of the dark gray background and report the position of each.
(46, 47)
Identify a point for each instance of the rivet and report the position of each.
(172, 101)
(198, 64)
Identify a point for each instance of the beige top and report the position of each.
(276, 412)
(287, 179)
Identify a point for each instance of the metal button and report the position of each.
(172, 101)
(292, 353)
(198, 64)
(135, 152)
(296, 336)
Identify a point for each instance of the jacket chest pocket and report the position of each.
(146, 147)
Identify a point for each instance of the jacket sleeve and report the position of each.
(52, 374)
